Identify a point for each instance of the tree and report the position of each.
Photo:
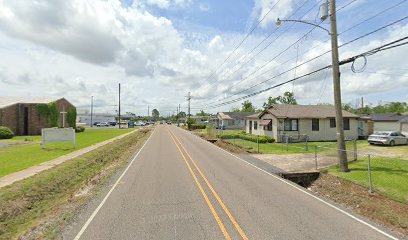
(155, 113)
(182, 114)
(287, 98)
(202, 113)
(247, 107)
(190, 121)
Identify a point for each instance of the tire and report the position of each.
(392, 143)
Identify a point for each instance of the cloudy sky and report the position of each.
(159, 50)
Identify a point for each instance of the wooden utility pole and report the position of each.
(91, 111)
(341, 146)
(189, 100)
(119, 106)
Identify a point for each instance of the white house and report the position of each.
(314, 122)
(404, 125)
(232, 120)
(385, 121)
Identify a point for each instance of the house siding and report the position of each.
(404, 128)
(386, 126)
(325, 133)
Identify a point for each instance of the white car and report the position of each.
(387, 138)
(102, 124)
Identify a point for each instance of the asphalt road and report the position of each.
(182, 187)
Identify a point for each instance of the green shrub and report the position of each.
(190, 121)
(6, 133)
(79, 129)
(197, 126)
(53, 114)
(71, 117)
(251, 138)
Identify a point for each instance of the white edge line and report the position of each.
(78, 236)
(306, 192)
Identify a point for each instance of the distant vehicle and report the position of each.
(161, 122)
(387, 138)
(139, 123)
(102, 124)
(112, 123)
(95, 123)
(169, 123)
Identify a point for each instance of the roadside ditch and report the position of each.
(40, 207)
(374, 206)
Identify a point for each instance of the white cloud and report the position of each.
(79, 48)
(205, 7)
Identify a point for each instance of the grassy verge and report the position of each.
(294, 148)
(25, 151)
(376, 207)
(389, 176)
(35, 207)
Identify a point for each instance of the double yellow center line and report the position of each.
(217, 218)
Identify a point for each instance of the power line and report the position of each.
(345, 44)
(381, 48)
(274, 40)
(270, 43)
(243, 40)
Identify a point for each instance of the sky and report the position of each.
(159, 50)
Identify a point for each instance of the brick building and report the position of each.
(21, 115)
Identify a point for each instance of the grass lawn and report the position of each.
(294, 148)
(390, 176)
(25, 151)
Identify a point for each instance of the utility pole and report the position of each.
(189, 100)
(341, 145)
(119, 106)
(148, 112)
(91, 111)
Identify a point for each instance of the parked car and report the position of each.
(387, 138)
(102, 124)
(95, 123)
(112, 123)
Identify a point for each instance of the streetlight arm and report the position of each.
(278, 23)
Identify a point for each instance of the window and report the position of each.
(332, 122)
(255, 125)
(315, 124)
(267, 127)
(346, 123)
(290, 124)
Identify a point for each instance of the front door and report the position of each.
(25, 124)
(250, 127)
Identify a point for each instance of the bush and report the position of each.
(251, 138)
(190, 121)
(6, 133)
(197, 126)
(79, 129)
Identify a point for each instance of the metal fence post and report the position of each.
(315, 153)
(307, 146)
(355, 149)
(369, 174)
(257, 142)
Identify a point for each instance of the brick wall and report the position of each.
(9, 116)
(13, 117)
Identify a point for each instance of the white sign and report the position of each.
(58, 135)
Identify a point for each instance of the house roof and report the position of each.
(385, 117)
(404, 119)
(304, 111)
(234, 115)
(253, 116)
(11, 100)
